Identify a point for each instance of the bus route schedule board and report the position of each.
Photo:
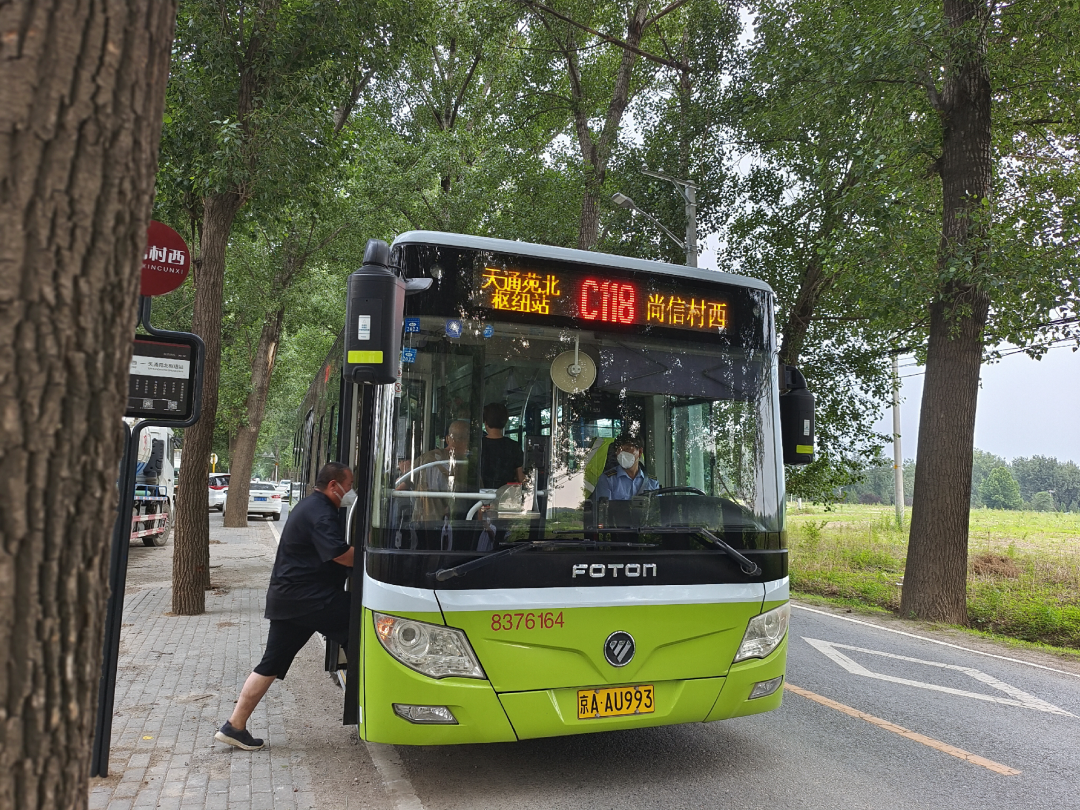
(161, 382)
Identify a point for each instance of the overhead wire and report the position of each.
(1057, 343)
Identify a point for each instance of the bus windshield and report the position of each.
(543, 398)
(696, 419)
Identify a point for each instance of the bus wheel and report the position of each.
(158, 540)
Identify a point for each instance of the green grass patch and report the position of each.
(1023, 567)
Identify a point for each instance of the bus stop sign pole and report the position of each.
(165, 267)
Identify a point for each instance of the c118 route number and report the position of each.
(544, 620)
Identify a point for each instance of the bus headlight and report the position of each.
(764, 633)
(432, 650)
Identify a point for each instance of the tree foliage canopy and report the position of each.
(1000, 490)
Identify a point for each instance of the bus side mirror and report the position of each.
(374, 315)
(796, 418)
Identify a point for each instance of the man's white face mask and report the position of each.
(626, 459)
(348, 498)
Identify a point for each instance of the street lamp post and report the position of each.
(687, 191)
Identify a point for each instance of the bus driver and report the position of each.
(627, 478)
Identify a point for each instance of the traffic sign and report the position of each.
(166, 261)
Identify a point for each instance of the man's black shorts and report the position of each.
(288, 636)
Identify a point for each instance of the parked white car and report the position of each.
(219, 490)
(284, 486)
(264, 499)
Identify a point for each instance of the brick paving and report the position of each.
(178, 679)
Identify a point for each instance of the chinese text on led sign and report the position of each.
(690, 313)
(598, 299)
(521, 292)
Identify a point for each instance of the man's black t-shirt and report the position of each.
(499, 461)
(305, 577)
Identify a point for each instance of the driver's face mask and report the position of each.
(626, 459)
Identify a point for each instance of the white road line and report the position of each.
(933, 640)
(1017, 696)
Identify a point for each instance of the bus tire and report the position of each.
(159, 540)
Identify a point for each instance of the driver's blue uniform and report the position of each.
(617, 485)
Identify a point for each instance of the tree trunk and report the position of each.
(589, 224)
(596, 152)
(815, 283)
(80, 119)
(816, 280)
(247, 436)
(935, 581)
(191, 540)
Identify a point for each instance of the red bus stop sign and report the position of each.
(166, 262)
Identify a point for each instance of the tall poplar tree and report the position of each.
(249, 77)
(958, 232)
(81, 95)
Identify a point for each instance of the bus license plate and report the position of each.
(615, 702)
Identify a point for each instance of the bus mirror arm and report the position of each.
(417, 285)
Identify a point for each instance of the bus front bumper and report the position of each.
(482, 715)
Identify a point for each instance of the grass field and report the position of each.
(1023, 567)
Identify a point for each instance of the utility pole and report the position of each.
(898, 454)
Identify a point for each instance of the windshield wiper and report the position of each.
(748, 566)
(444, 574)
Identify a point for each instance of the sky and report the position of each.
(1026, 407)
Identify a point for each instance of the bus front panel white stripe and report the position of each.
(777, 590)
(387, 598)
(619, 596)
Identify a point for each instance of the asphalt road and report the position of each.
(913, 724)
(878, 714)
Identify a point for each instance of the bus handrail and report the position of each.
(348, 522)
(437, 463)
(416, 493)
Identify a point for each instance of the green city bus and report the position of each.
(552, 603)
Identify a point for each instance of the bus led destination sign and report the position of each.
(605, 300)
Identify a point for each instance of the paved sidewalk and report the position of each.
(179, 676)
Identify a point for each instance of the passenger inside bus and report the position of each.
(501, 459)
(443, 469)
